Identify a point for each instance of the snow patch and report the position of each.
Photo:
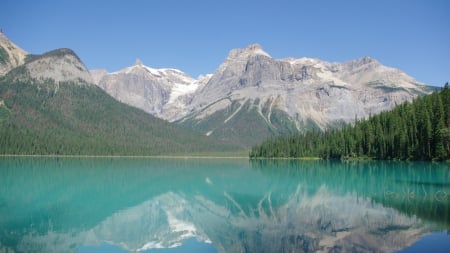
(177, 225)
(157, 245)
(151, 245)
(155, 72)
(180, 89)
(259, 51)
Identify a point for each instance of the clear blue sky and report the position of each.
(196, 36)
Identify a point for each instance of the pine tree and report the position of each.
(438, 150)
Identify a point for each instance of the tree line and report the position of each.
(51, 118)
(419, 130)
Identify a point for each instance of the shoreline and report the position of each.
(131, 156)
(193, 156)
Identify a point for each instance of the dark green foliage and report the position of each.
(4, 112)
(81, 119)
(4, 57)
(241, 123)
(417, 189)
(57, 53)
(412, 131)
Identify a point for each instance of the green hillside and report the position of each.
(412, 131)
(242, 124)
(81, 119)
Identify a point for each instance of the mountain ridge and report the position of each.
(255, 51)
(59, 65)
(250, 97)
(284, 96)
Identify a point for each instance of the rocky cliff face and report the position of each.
(60, 65)
(11, 55)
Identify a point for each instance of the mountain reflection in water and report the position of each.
(67, 204)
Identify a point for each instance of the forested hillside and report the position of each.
(45, 117)
(412, 131)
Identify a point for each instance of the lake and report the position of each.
(222, 205)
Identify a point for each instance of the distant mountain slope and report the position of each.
(49, 106)
(60, 65)
(252, 96)
(11, 55)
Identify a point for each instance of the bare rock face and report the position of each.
(11, 55)
(98, 74)
(60, 65)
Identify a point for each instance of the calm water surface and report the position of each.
(222, 205)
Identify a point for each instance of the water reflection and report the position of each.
(63, 205)
(418, 188)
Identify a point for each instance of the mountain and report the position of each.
(60, 65)
(49, 105)
(161, 92)
(11, 55)
(414, 131)
(289, 95)
(252, 96)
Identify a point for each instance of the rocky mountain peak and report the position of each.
(60, 65)
(162, 92)
(251, 50)
(138, 63)
(365, 62)
(11, 55)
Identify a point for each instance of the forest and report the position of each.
(48, 118)
(419, 130)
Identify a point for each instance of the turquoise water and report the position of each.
(221, 205)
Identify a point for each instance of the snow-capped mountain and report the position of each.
(307, 89)
(162, 92)
(250, 97)
(253, 96)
